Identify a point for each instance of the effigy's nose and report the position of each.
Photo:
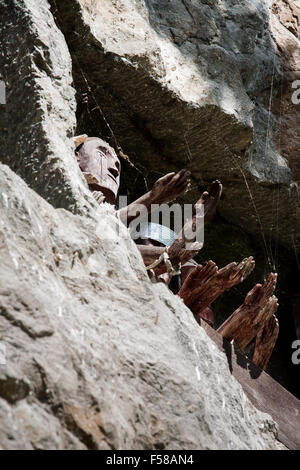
(114, 171)
(114, 168)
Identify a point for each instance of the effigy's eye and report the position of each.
(100, 154)
(104, 150)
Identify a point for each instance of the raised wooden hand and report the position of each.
(205, 284)
(169, 187)
(265, 342)
(188, 235)
(186, 245)
(259, 306)
(166, 189)
(213, 195)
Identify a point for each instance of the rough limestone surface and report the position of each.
(96, 356)
(39, 117)
(192, 83)
(285, 23)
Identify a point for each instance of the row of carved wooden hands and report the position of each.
(256, 317)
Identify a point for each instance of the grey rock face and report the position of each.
(38, 119)
(96, 355)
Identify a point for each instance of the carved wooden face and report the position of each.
(101, 167)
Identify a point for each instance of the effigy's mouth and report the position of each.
(93, 180)
(112, 177)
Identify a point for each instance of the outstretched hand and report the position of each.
(210, 199)
(170, 186)
(205, 284)
(188, 236)
(261, 293)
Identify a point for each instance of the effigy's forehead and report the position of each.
(101, 142)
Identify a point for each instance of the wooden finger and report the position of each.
(265, 342)
(244, 323)
(221, 281)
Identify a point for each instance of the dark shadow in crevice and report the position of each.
(227, 348)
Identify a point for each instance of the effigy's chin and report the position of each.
(109, 193)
